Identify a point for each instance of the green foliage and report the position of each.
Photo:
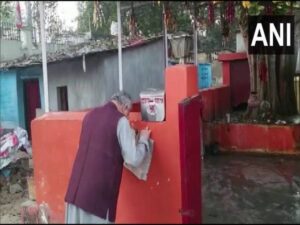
(149, 19)
(85, 18)
(213, 41)
(181, 16)
(150, 22)
(284, 7)
(53, 24)
(256, 8)
(6, 11)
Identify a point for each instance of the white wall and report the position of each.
(10, 49)
(14, 49)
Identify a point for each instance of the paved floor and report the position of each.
(251, 189)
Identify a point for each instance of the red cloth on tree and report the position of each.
(263, 71)
(18, 16)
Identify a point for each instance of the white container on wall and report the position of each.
(153, 105)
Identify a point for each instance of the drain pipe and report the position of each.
(44, 56)
(120, 46)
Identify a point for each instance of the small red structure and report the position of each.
(236, 74)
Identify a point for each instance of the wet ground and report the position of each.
(236, 189)
(251, 189)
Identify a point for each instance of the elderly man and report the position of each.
(106, 141)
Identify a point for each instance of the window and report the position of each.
(62, 98)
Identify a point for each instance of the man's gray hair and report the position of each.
(122, 98)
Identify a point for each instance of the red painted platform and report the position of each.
(240, 137)
(283, 139)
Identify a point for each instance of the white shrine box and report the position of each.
(153, 105)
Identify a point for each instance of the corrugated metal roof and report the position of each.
(73, 52)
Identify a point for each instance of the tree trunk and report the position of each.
(285, 75)
(273, 88)
(251, 58)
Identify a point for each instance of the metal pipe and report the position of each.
(195, 39)
(297, 71)
(120, 46)
(165, 36)
(44, 56)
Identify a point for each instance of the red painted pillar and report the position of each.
(226, 72)
(159, 200)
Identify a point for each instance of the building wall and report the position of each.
(9, 117)
(143, 68)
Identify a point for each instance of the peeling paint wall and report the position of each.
(9, 117)
(143, 67)
(12, 105)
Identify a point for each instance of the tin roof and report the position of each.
(91, 47)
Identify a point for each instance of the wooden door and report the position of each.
(32, 101)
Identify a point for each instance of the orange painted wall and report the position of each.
(158, 200)
(55, 138)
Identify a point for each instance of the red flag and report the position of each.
(18, 16)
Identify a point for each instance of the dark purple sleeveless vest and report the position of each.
(97, 170)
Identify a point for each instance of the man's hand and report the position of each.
(144, 137)
(145, 134)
